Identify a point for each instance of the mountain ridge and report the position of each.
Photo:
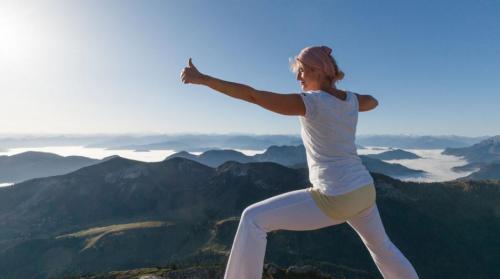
(196, 198)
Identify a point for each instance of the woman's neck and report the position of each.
(335, 92)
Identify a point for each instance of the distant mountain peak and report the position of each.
(224, 151)
(113, 162)
(37, 154)
(182, 154)
(285, 146)
(492, 140)
(117, 158)
(394, 154)
(110, 157)
(178, 160)
(33, 164)
(486, 151)
(184, 163)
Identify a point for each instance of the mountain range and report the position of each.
(33, 164)
(486, 151)
(123, 214)
(204, 142)
(417, 142)
(483, 157)
(292, 156)
(486, 171)
(396, 154)
(197, 143)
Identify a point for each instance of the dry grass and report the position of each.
(94, 234)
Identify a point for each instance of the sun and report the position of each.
(22, 39)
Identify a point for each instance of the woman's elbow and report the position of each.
(375, 104)
(368, 105)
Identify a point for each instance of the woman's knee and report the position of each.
(252, 214)
(381, 245)
(376, 239)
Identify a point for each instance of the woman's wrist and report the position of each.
(204, 79)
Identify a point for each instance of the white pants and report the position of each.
(297, 211)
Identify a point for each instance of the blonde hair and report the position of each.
(295, 64)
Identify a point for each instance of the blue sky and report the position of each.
(114, 66)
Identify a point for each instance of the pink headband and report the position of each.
(318, 57)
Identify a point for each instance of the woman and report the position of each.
(342, 188)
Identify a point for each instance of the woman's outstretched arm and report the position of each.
(286, 104)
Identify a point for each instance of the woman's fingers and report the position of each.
(190, 74)
(186, 75)
(183, 76)
(190, 63)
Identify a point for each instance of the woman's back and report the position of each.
(328, 131)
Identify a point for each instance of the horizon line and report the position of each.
(143, 134)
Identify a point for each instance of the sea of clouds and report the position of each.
(438, 166)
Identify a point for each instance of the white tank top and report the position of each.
(328, 132)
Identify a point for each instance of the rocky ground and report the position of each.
(270, 271)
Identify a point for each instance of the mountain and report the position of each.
(416, 142)
(486, 151)
(487, 171)
(197, 143)
(284, 155)
(396, 154)
(206, 142)
(203, 142)
(23, 141)
(468, 167)
(33, 164)
(215, 158)
(292, 156)
(391, 169)
(123, 214)
(166, 145)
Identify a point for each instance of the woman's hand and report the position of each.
(191, 75)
